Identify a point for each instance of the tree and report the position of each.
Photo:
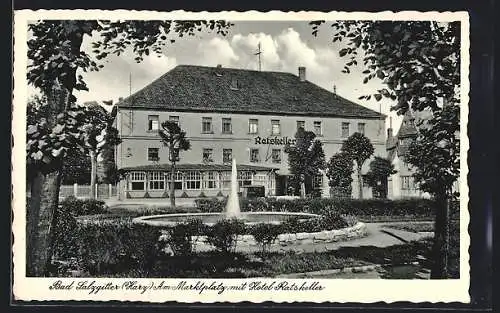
(306, 158)
(99, 135)
(76, 168)
(380, 170)
(434, 154)
(419, 62)
(174, 138)
(339, 172)
(359, 148)
(54, 59)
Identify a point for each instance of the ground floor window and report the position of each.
(177, 181)
(210, 180)
(156, 181)
(244, 178)
(260, 179)
(407, 182)
(193, 180)
(137, 180)
(318, 182)
(225, 178)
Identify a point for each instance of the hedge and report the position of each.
(365, 207)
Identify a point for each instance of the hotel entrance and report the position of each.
(281, 185)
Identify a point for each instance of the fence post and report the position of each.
(110, 190)
(75, 190)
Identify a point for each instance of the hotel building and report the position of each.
(232, 113)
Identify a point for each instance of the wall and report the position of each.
(136, 139)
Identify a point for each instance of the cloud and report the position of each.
(216, 51)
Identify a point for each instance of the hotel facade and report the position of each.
(232, 113)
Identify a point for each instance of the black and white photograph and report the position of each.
(240, 156)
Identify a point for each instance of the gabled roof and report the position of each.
(408, 128)
(217, 89)
(197, 167)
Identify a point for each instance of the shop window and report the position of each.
(137, 180)
(193, 180)
(156, 181)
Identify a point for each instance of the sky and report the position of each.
(285, 46)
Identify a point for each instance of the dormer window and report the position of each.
(234, 84)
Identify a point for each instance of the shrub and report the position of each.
(408, 208)
(117, 246)
(65, 236)
(84, 207)
(209, 205)
(180, 236)
(266, 234)
(223, 234)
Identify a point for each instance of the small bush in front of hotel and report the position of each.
(223, 234)
(180, 236)
(265, 234)
(404, 208)
(117, 246)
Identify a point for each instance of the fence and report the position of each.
(103, 191)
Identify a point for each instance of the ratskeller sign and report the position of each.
(278, 141)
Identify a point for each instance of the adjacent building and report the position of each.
(232, 113)
(402, 184)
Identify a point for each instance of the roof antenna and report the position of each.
(259, 52)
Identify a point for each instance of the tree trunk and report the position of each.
(441, 238)
(360, 183)
(41, 222)
(93, 174)
(172, 185)
(45, 194)
(32, 212)
(302, 186)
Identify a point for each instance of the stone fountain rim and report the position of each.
(146, 219)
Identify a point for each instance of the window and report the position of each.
(407, 182)
(208, 155)
(345, 130)
(225, 178)
(156, 181)
(275, 127)
(317, 128)
(137, 180)
(318, 182)
(177, 180)
(210, 180)
(244, 178)
(173, 118)
(361, 128)
(254, 155)
(153, 154)
(193, 180)
(276, 155)
(206, 125)
(227, 155)
(260, 179)
(364, 178)
(253, 126)
(153, 122)
(226, 126)
(301, 124)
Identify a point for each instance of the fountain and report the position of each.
(232, 210)
(233, 202)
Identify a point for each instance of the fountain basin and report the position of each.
(249, 218)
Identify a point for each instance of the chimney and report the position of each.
(389, 132)
(218, 72)
(219, 66)
(302, 73)
(334, 89)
